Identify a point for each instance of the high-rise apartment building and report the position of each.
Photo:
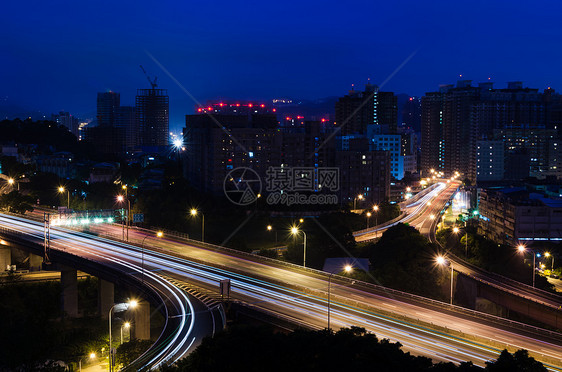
(152, 110)
(455, 118)
(116, 128)
(67, 120)
(358, 110)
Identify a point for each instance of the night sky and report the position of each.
(57, 54)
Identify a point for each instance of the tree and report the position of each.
(403, 259)
(15, 202)
(518, 361)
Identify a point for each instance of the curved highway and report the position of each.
(187, 320)
(424, 327)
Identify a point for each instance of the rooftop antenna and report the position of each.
(153, 83)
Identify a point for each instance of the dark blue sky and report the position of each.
(57, 54)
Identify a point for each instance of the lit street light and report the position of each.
(124, 187)
(92, 355)
(61, 190)
(547, 254)
(159, 234)
(295, 231)
(194, 213)
(126, 325)
(270, 228)
(376, 212)
(131, 304)
(347, 269)
(522, 249)
(442, 261)
(368, 217)
(360, 197)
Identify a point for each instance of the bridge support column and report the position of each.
(5, 257)
(35, 262)
(141, 325)
(69, 284)
(106, 297)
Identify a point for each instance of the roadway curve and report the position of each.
(424, 214)
(187, 320)
(424, 327)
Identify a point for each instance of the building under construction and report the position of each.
(153, 107)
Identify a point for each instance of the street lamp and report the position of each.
(92, 355)
(368, 217)
(522, 249)
(194, 213)
(295, 231)
(126, 325)
(121, 199)
(124, 187)
(61, 190)
(376, 211)
(131, 304)
(347, 269)
(270, 228)
(547, 254)
(360, 197)
(159, 234)
(442, 261)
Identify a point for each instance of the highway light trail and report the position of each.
(283, 294)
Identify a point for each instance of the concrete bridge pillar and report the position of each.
(35, 262)
(466, 291)
(106, 297)
(141, 324)
(5, 257)
(69, 284)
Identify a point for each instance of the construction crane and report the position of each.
(153, 83)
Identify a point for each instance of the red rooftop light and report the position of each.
(250, 105)
(262, 105)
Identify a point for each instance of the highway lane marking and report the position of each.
(389, 305)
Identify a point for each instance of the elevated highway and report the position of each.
(423, 326)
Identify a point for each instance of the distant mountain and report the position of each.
(9, 110)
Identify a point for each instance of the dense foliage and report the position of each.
(349, 349)
(404, 259)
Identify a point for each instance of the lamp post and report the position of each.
(159, 234)
(61, 190)
(194, 213)
(295, 231)
(522, 249)
(547, 254)
(132, 304)
(360, 197)
(91, 355)
(124, 187)
(347, 269)
(443, 262)
(270, 228)
(368, 217)
(128, 326)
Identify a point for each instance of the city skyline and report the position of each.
(304, 51)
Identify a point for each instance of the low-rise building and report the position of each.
(513, 215)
